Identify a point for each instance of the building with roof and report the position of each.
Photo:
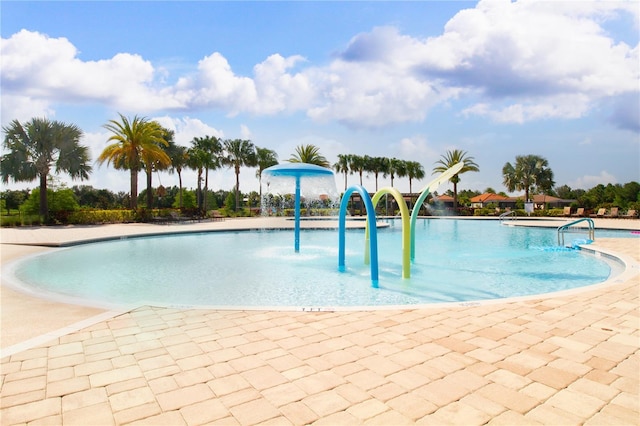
(483, 200)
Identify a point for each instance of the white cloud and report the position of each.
(186, 128)
(567, 106)
(589, 181)
(544, 61)
(215, 86)
(514, 62)
(416, 148)
(51, 71)
(245, 132)
(24, 108)
(277, 89)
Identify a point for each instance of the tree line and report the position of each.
(40, 148)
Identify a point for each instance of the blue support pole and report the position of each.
(371, 225)
(297, 216)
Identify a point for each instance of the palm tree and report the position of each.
(212, 146)
(396, 168)
(450, 159)
(153, 160)
(265, 158)
(357, 164)
(531, 173)
(206, 155)
(179, 160)
(342, 166)
(377, 165)
(239, 152)
(309, 154)
(414, 171)
(38, 146)
(196, 161)
(131, 139)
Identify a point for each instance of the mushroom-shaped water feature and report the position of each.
(316, 180)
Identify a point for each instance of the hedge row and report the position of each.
(90, 217)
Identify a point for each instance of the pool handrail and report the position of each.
(566, 228)
(504, 215)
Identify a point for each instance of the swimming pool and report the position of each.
(456, 261)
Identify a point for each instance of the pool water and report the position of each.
(456, 261)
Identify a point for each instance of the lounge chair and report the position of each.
(176, 217)
(215, 215)
(600, 213)
(567, 212)
(579, 212)
(613, 213)
(631, 214)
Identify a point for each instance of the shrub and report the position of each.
(90, 217)
(21, 220)
(60, 200)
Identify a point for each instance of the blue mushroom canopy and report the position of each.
(297, 169)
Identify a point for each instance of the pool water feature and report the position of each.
(408, 222)
(319, 182)
(456, 261)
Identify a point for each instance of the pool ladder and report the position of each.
(570, 227)
(506, 215)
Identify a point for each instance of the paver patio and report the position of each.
(570, 359)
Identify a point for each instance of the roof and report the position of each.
(541, 198)
(488, 197)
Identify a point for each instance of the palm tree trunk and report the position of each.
(199, 195)
(455, 197)
(180, 194)
(44, 207)
(260, 185)
(149, 189)
(133, 202)
(410, 195)
(237, 188)
(206, 189)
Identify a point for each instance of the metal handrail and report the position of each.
(567, 228)
(504, 215)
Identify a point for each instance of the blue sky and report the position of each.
(409, 80)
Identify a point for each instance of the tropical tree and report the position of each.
(179, 156)
(238, 153)
(396, 168)
(450, 159)
(153, 160)
(377, 165)
(265, 158)
(358, 164)
(39, 146)
(530, 173)
(342, 166)
(414, 171)
(309, 154)
(212, 146)
(131, 140)
(196, 161)
(13, 199)
(205, 154)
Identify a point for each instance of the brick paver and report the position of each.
(564, 360)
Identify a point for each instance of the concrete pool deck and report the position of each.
(565, 359)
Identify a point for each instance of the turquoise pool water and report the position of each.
(456, 261)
